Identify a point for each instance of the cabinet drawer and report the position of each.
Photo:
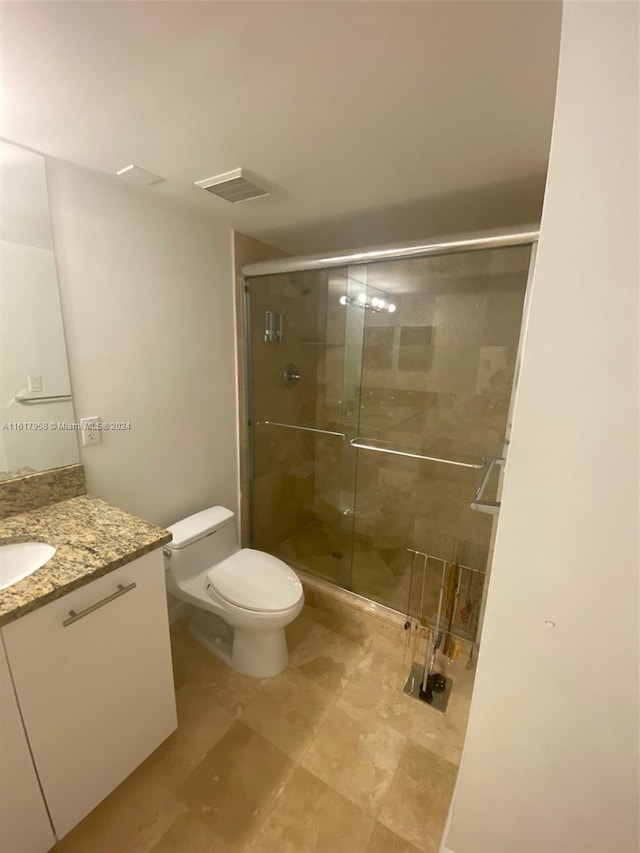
(95, 686)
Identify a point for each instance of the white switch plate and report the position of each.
(35, 383)
(89, 432)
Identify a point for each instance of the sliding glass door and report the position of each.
(378, 394)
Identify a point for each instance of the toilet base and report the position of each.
(259, 653)
(213, 633)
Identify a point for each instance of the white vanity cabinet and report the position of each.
(24, 823)
(92, 674)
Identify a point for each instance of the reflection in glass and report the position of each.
(34, 378)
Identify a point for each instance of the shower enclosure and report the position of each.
(379, 394)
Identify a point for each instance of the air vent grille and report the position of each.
(232, 186)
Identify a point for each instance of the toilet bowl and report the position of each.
(243, 598)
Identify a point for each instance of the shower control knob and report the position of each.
(291, 375)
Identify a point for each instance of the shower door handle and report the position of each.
(365, 444)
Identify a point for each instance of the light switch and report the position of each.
(90, 431)
(35, 383)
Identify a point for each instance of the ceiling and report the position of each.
(369, 122)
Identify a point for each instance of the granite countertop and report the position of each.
(91, 539)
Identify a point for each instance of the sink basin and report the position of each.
(20, 559)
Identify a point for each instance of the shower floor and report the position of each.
(350, 561)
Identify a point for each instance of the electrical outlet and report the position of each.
(90, 432)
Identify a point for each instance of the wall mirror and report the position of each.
(37, 418)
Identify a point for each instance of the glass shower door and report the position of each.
(304, 385)
(378, 392)
(439, 353)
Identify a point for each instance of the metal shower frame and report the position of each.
(524, 235)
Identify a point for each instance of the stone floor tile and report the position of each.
(129, 820)
(417, 801)
(288, 711)
(376, 686)
(443, 734)
(384, 841)
(201, 724)
(326, 658)
(310, 817)
(187, 834)
(217, 681)
(190, 659)
(235, 786)
(356, 755)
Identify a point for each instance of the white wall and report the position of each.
(23, 197)
(550, 763)
(147, 301)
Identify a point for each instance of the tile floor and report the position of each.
(328, 756)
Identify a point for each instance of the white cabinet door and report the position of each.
(96, 695)
(24, 823)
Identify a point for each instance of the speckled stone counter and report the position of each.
(24, 492)
(91, 539)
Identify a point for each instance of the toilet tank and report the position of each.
(200, 541)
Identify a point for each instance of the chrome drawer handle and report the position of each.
(73, 616)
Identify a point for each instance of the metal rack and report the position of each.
(423, 683)
(444, 563)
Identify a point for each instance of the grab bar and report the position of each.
(36, 401)
(302, 428)
(360, 443)
(478, 503)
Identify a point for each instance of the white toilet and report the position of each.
(244, 598)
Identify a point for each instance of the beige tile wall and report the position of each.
(283, 459)
(246, 250)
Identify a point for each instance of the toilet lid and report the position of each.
(256, 581)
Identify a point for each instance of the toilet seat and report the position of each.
(255, 581)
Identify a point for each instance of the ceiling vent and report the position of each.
(232, 186)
